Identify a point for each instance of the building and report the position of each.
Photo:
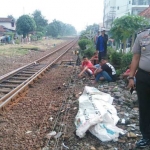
(116, 8)
(145, 13)
(8, 23)
(109, 13)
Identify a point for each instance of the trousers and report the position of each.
(143, 93)
(103, 74)
(101, 55)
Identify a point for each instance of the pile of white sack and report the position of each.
(98, 115)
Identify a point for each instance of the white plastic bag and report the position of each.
(97, 114)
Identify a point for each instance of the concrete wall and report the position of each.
(109, 12)
(8, 25)
(118, 8)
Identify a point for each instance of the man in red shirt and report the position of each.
(86, 67)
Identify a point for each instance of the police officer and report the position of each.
(141, 61)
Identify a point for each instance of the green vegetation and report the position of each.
(58, 28)
(126, 59)
(83, 43)
(87, 47)
(25, 24)
(127, 26)
(115, 58)
(86, 42)
(38, 27)
(13, 52)
(41, 22)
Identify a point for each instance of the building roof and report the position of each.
(5, 20)
(145, 13)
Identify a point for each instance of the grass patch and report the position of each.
(29, 48)
(16, 50)
(13, 52)
(23, 49)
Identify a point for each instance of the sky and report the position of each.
(78, 13)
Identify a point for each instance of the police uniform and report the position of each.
(142, 47)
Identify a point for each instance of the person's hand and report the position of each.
(79, 75)
(131, 84)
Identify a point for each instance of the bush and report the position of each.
(126, 59)
(17, 41)
(82, 43)
(115, 58)
(119, 72)
(33, 38)
(89, 52)
(110, 50)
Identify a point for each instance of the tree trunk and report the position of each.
(124, 46)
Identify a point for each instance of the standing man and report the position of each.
(141, 60)
(101, 45)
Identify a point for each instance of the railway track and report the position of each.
(17, 82)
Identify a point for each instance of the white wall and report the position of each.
(123, 7)
(8, 25)
(109, 12)
(118, 8)
(130, 6)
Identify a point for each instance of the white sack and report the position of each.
(97, 115)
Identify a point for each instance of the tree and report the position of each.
(11, 17)
(25, 24)
(93, 28)
(57, 28)
(40, 21)
(127, 26)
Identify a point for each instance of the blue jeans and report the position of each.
(103, 74)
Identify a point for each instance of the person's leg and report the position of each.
(98, 76)
(106, 76)
(103, 76)
(143, 92)
(103, 54)
(99, 56)
(89, 72)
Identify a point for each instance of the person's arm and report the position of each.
(134, 66)
(92, 58)
(85, 68)
(98, 70)
(97, 44)
(106, 37)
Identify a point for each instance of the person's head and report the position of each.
(103, 31)
(103, 61)
(85, 58)
(95, 54)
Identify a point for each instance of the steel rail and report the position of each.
(4, 77)
(14, 93)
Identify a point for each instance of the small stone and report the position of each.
(131, 135)
(92, 148)
(58, 135)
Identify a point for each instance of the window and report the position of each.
(118, 7)
(129, 2)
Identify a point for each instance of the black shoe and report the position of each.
(142, 143)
